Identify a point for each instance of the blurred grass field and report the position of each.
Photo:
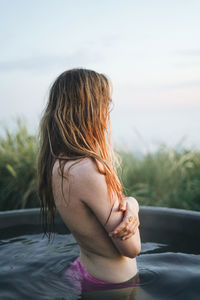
(166, 177)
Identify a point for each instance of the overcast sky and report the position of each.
(149, 49)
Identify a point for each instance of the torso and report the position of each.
(97, 251)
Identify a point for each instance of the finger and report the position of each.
(119, 229)
(128, 236)
(122, 206)
(122, 230)
(122, 225)
(131, 230)
(123, 234)
(119, 235)
(127, 209)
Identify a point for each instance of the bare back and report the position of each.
(98, 252)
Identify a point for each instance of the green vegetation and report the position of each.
(18, 168)
(165, 178)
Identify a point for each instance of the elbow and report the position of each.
(137, 252)
(138, 249)
(134, 252)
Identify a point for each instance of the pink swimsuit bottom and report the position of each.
(79, 278)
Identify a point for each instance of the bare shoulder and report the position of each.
(82, 178)
(82, 165)
(84, 174)
(75, 167)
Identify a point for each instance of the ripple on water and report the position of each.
(33, 269)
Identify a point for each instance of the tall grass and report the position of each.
(18, 168)
(164, 178)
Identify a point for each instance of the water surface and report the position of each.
(33, 269)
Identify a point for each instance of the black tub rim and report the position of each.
(169, 226)
(32, 216)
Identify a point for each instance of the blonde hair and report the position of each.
(75, 125)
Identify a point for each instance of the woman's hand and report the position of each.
(130, 221)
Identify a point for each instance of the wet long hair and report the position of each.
(75, 125)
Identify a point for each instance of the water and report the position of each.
(32, 269)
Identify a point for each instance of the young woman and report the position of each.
(77, 177)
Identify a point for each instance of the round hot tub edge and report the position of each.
(158, 224)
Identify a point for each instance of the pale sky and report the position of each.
(149, 49)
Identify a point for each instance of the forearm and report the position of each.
(130, 219)
(126, 235)
(130, 247)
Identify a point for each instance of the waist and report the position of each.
(113, 270)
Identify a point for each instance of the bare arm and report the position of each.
(127, 227)
(90, 187)
(130, 244)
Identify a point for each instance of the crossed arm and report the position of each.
(90, 186)
(127, 227)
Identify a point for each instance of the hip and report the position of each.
(84, 281)
(113, 270)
